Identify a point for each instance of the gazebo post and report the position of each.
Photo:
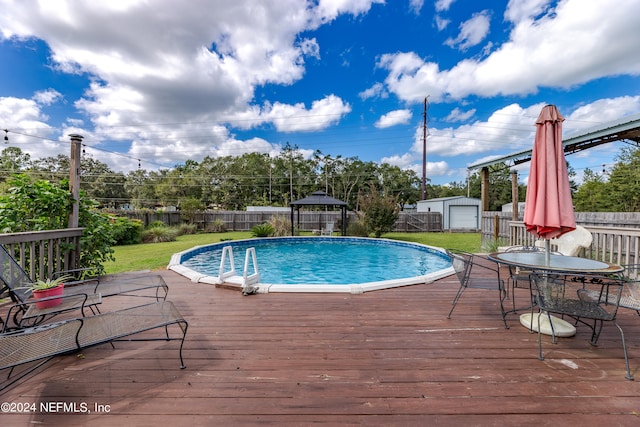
(292, 227)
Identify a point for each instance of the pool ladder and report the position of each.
(230, 276)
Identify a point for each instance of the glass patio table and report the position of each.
(537, 262)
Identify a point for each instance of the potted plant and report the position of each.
(47, 289)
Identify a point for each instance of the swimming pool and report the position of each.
(321, 264)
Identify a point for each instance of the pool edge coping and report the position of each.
(356, 288)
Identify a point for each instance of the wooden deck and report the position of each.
(383, 358)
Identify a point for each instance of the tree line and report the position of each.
(257, 179)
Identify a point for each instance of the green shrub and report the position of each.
(217, 226)
(187, 229)
(357, 229)
(262, 230)
(126, 231)
(281, 225)
(159, 233)
(37, 204)
(378, 212)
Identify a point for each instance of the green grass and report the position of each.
(153, 256)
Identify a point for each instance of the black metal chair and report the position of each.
(44, 342)
(589, 299)
(14, 282)
(630, 297)
(472, 270)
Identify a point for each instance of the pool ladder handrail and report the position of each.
(231, 276)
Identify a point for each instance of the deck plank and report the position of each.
(387, 357)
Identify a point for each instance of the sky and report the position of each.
(154, 83)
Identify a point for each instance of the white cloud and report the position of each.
(409, 162)
(154, 62)
(457, 115)
(443, 5)
(507, 131)
(472, 31)
(601, 111)
(297, 118)
(519, 10)
(416, 6)
(441, 23)
(393, 118)
(375, 91)
(27, 127)
(558, 49)
(47, 97)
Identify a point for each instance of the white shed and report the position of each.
(458, 212)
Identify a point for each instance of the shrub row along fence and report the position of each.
(307, 220)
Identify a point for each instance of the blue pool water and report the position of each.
(318, 260)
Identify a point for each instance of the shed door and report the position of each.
(463, 217)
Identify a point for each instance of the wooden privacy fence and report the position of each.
(308, 221)
(616, 236)
(42, 253)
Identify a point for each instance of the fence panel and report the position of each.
(408, 221)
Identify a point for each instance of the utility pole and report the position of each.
(425, 132)
(74, 179)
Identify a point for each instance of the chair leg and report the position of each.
(540, 356)
(626, 357)
(455, 300)
(595, 334)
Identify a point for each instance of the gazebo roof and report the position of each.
(318, 198)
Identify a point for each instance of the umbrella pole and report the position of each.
(548, 325)
(547, 252)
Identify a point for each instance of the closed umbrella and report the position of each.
(548, 211)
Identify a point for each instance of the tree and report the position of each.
(623, 189)
(13, 160)
(140, 186)
(36, 205)
(379, 213)
(403, 184)
(592, 194)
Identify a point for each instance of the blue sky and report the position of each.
(155, 83)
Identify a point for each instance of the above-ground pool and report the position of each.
(319, 264)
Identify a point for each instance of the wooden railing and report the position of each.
(41, 253)
(617, 245)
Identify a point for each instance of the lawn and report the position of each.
(153, 256)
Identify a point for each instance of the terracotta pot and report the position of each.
(46, 293)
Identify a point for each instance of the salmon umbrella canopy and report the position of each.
(548, 209)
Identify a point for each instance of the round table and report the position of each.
(541, 261)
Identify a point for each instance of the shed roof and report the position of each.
(444, 199)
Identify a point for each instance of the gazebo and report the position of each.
(320, 198)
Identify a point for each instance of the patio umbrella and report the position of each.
(548, 211)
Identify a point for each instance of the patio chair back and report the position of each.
(589, 299)
(631, 290)
(14, 278)
(328, 229)
(464, 264)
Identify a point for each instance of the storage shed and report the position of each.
(458, 212)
